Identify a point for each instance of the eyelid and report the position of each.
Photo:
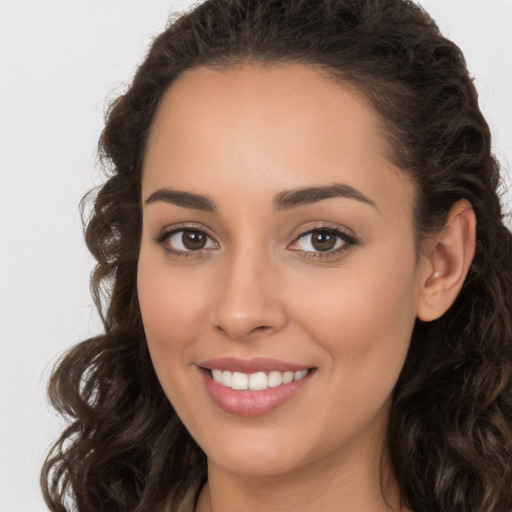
(349, 240)
(326, 226)
(184, 226)
(167, 232)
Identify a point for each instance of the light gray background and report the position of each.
(60, 61)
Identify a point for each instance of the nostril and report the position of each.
(261, 328)
(255, 331)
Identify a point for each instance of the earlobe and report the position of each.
(446, 260)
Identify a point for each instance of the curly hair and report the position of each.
(450, 434)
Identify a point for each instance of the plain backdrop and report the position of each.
(60, 64)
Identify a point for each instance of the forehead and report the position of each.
(269, 104)
(266, 127)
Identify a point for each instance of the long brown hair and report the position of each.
(451, 419)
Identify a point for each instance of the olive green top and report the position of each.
(189, 501)
(188, 504)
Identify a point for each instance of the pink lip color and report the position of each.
(248, 402)
(253, 365)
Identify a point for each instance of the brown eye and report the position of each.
(323, 240)
(187, 240)
(194, 240)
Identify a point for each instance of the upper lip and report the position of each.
(252, 365)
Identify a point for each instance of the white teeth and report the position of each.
(275, 379)
(258, 381)
(287, 377)
(255, 381)
(239, 380)
(299, 375)
(225, 378)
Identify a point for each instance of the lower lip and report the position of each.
(248, 402)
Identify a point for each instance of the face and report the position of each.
(278, 277)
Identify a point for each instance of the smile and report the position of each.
(258, 381)
(253, 387)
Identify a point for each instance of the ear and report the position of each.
(445, 262)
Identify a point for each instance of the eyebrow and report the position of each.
(282, 201)
(184, 199)
(309, 195)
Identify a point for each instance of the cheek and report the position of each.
(173, 312)
(363, 319)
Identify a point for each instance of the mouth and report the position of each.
(253, 387)
(258, 381)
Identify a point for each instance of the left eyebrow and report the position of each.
(309, 195)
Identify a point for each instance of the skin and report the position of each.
(241, 137)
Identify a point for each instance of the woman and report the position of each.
(306, 273)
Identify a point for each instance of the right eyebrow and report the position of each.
(183, 199)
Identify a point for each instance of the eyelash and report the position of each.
(348, 241)
(164, 237)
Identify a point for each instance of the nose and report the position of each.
(248, 300)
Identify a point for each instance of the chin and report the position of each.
(258, 455)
